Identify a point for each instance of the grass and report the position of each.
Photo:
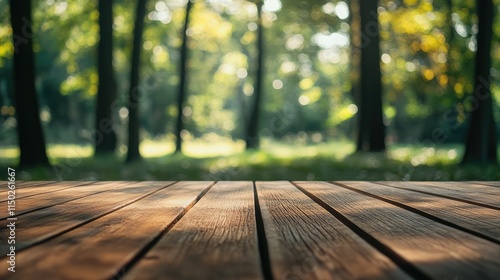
(223, 159)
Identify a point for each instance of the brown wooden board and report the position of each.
(307, 242)
(434, 249)
(18, 185)
(34, 203)
(51, 187)
(101, 248)
(464, 187)
(492, 183)
(38, 226)
(216, 239)
(32, 184)
(491, 201)
(487, 183)
(483, 222)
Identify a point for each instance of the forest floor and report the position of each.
(227, 160)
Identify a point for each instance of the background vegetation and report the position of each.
(309, 108)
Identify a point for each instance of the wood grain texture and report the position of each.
(488, 183)
(40, 225)
(306, 242)
(464, 187)
(466, 195)
(19, 185)
(132, 230)
(45, 188)
(216, 239)
(437, 250)
(100, 249)
(32, 184)
(44, 200)
(482, 220)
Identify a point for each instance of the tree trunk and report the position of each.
(105, 136)
(244, 115)
(252, 137)
(183, 79)
(29, 130)
(133, 98)
(480, 146)
(451, 31)
(371, 134)
(355, 61)
(452, 75)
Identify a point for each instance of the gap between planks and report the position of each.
(47, 188)
(479, 200)
(130, 265)
(46, 200)
(42, 227)
(422, 242)
(216, 239)
(479, 221)
(75, 252)
(308, 242)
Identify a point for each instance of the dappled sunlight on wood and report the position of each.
(411, 235)
(312, 230)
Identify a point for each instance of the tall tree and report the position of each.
(252, 135)
(371, 129)
(355, 58)
(481, 145)
(29, 130)
(133, 97)
(451, 71)
(183, 79)
(105, 137)
(451, 30)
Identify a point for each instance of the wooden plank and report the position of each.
(438, 251)
(100, 249)
(481, 199)
(216, 239)
(39, 226)
(480, 220)
(19, 185)
(464, 187)
(45, 200)
(307, 242)
(51, 187)
(487, 183)
(31, 184)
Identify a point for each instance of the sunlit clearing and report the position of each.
(194, 148)
(342, 10)
(69, 151)
(326, 40)
(271, 6)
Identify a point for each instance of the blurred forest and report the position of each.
(316, 89)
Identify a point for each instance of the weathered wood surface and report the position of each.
(99, 249)
(307, 242)
(217, 239)
(474, 219)
(30, 184)
(44, 188)
(45, 200)
(37, 226)
(25, 185)
(488, 183)
(478, 198)
(428, 247)
(246, 230)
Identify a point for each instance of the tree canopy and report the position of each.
(427, 55)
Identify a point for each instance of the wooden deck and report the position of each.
(247, 230)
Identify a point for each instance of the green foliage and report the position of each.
(307, 84)
(220, 159)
